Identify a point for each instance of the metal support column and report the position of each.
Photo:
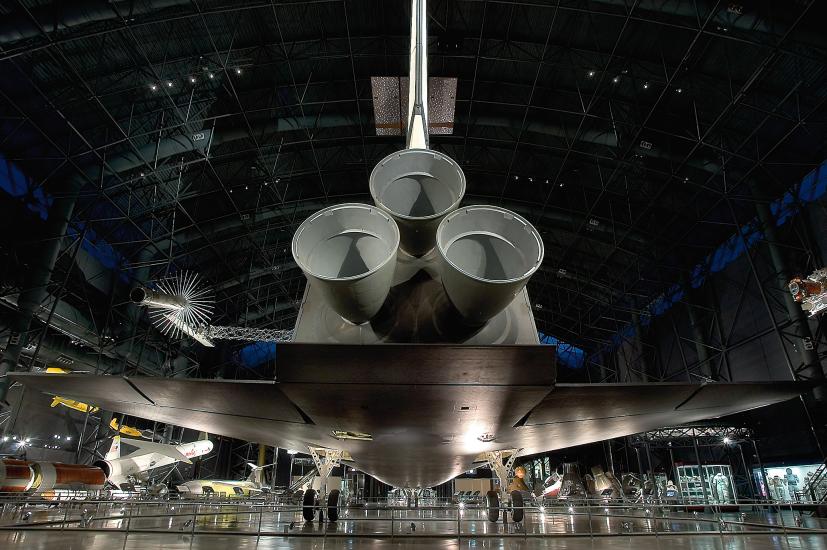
(40, 274)
(701, 474)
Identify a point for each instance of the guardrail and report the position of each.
(583, 518)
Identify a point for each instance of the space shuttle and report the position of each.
(143, 456)
(415, 355)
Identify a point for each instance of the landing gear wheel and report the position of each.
(517, 506)
(308, 503)
(333, 505)
(492, 502)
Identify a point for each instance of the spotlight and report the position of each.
(169, 83)
(462, 506)
(571, 509)
(645, 85)
(616, 79)
(542, 509)
(679, 90)
(153, 87)
(192, 80)
(727, 441)
(68, 438)
(27, 440)
(238, 70)
(591, 74)
(292, 452)
(5, 438)
(211, 75)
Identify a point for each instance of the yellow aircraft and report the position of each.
(85, 407)
(72, 404)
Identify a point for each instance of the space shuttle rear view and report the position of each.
(146, 456)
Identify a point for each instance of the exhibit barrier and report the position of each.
(260, 518)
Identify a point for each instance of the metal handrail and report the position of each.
(652, 514)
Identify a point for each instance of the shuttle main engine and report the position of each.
(418, 188)
(349, 251)
(488, 254)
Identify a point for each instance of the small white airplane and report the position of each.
(146, 456)
(254, 483)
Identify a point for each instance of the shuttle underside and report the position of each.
(429, 409)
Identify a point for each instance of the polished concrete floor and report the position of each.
(85, 540)
(208, 518)
(209, 526)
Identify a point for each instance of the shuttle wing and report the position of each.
(428, 410)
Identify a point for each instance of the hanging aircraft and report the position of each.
(145, 456)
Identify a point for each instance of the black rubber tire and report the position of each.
(308, 503)
(492, 503)
(333, 505)
(517, 511)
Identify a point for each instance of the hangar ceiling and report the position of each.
(637, 136)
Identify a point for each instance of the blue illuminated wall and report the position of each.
(17, 184)
(809, 189)
(567, 354)
(256, 354)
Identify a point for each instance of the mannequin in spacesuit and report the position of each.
(720, 488)
(792, 481)
(776, 488)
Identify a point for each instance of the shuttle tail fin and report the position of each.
(115, 449)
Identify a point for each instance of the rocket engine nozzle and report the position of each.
(152, 298)
(418, 188)
(349, 251)
(488, 255)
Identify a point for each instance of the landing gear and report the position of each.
(501, 463)
(309, 505)
(325, 460)
(492, 505)
(333, 505)
(517, 511)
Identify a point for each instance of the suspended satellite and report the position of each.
(183, 305)
(178, 305)
(811, 292)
